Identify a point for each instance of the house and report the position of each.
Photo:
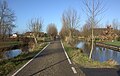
(30, 34)
(107, 33)
(14, 35)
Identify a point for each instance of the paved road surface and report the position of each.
(100, 72)
(51, 62)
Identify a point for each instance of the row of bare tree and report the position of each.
(70, 20)
(7, 23)
(52, 30)
(35, 26)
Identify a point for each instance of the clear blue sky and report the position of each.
(51, 11)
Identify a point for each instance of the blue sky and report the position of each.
(51, 11)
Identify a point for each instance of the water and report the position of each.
(12, 53)
(99, 53)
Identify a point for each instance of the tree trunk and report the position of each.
(92, 26)
(35, 39)
(92, 43)
(70, 37)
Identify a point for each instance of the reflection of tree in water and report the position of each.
(5, 54)
(99, 53)
(86, 48)
(8, 54)
(108, 54)
(96, 54)
(75, 42)
(100, 50)
(116, 56)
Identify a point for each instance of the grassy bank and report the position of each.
(115, 43)
(7, 44)
(82, 59)
(6, 66)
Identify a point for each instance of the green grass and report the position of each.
(115, 43)
(7, 44)
(6, 66)
(83, 60)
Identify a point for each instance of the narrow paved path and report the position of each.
(51, 62)
(101, 72)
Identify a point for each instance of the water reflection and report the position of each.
(12, 53)
(99, 53)
(85, 46)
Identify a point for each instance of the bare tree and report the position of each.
(64, 32)
(115, 24)
(35, 26)
(85, 29)
(7, 19)
(52, 30)
(70, 21)
(93, 9)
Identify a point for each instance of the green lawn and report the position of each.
(116, 43)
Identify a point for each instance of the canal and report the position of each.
(10, 54)
(99, 53)
(13, 52)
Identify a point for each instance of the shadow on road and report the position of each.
(100, 71)
(47, 53)
(52, 51)
(49, 67)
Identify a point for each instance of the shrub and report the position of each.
(4, 70)
(118, 38)
(97, 39)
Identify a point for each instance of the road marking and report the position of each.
(74, 71)
(66, 54)
(30, 60)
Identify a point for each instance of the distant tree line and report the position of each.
(70, 23)
(52, 30)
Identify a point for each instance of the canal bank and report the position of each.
(90, 67)
(11, 51)
(100, 53)
(109, 46)
(9, 65)
(79, 56)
